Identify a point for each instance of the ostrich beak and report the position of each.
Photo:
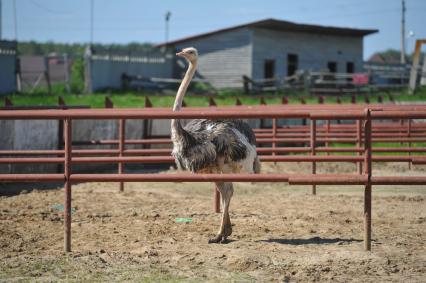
(180, 54)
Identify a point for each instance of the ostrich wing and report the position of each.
(209, 140)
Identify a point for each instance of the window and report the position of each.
(350, 67)
(332, 67)
(292, 64)
(269, 69)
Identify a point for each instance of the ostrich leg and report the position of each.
(226, 190)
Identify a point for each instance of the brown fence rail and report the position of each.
(365, 135)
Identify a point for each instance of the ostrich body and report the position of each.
(212, 146)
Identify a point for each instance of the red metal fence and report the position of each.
(362, 133)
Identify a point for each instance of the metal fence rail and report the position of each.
(363, 140)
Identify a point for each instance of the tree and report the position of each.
(77, 76)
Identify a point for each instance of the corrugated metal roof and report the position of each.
(282, 26)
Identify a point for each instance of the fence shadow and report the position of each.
(314, 240)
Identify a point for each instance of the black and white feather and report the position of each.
(215, 146)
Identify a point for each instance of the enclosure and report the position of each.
(163, 227)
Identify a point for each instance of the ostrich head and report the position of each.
(190, 54)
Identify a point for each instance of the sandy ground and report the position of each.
(281, 233)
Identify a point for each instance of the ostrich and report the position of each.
(212, 146)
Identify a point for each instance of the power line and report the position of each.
(47, 9)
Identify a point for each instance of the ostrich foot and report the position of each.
(218, 239)
(221, 237)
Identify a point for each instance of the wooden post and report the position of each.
(212, 102)
(367, 189)
(313, 143)
(246, 84)
(67, 73)
(61, 101)
(47, 75)
(67, 185)
(121, 147)
(306, 82)
(7, 102)
(108, 102)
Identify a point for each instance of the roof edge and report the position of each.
(258, 24)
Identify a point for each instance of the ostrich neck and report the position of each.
(180, 94)
(184, 86)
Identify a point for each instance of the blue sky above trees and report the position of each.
(143, 21)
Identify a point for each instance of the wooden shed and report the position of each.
(273, 48)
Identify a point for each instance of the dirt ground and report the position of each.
(281, 233)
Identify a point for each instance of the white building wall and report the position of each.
(313, 50)
(224, 57)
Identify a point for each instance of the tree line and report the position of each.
(77, 49)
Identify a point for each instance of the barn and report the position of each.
(7, 66)
(273, 48)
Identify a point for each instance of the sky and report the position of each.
(123, 21)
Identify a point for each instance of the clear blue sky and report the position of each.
(123, 21)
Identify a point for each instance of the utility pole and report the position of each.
(15, 20)
(91, 21)
(403, 33)
(167, 17)
(0, 22)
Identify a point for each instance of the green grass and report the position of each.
(379, 144)
(223, 97)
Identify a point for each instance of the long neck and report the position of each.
(184, 86)
(175, 124)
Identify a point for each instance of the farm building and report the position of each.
(108, 70)
(7, 66)
(39, 70)
(273, 48)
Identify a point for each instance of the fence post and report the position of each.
(327, 134)
(274, 136)
(313, 143)
(47, 75)
(121, 146)
(212, 102)
(409, 143)
(147, 124)
(108, 102)
(359, 142)
(60, 144)
(67, 185)
(216, 199)
(367, 189)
